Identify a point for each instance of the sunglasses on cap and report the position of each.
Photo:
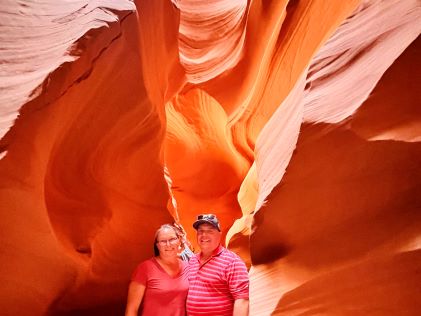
(206, 216)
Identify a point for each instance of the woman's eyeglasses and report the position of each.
(172, 241)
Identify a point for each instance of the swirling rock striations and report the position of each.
(297, 122)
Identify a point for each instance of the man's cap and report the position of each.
(207, 219)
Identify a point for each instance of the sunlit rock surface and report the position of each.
(297, 122)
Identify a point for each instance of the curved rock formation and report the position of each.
(297, 122)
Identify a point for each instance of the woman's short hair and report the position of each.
(165, 226)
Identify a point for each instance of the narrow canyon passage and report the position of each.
(298, 123)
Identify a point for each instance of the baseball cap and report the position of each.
(207, 218)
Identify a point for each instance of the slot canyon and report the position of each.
(298, 123)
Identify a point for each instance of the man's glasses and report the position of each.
(172, 241)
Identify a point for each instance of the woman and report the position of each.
(159, 285)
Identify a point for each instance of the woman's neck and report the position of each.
(168, 261)
(171, 265)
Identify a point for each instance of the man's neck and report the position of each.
(205, 256)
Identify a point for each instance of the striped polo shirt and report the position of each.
(215, 284)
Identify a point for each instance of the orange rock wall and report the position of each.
(351, 246)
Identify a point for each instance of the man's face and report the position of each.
(208, 238)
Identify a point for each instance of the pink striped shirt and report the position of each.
(216, 284)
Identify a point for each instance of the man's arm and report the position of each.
(241, 307)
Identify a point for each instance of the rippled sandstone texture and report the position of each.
(297, 122)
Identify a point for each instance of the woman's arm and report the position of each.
(134, 298)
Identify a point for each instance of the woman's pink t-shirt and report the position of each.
(164, 294)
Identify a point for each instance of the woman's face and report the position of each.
(167, 243)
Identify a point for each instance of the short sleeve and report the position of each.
(140, 274)
(238, 279)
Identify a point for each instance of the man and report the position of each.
(218, 278)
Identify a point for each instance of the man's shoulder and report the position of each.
(194, 259)
(231, 255)
(233, 262)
